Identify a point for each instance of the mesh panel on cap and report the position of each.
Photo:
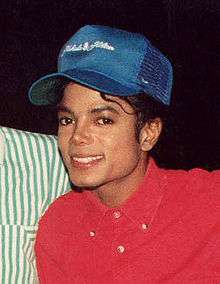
(156, 75)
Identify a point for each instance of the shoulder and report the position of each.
(195, 192)
(67, 203)
(197, 179)
(33, 154)
(11, 134)
(26, 147)
(70, 206)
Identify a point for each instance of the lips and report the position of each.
(86, 161)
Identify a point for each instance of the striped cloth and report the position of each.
(31, 177)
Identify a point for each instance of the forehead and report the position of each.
(78, 97)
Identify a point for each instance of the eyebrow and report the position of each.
(98, 109)
(63, 108)
(104, 108)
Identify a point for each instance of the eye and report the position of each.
(104, 121)
(64, 121)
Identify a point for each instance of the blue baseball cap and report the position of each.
(111, 61)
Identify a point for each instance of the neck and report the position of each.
(115, 193)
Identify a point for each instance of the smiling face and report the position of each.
(97, 139)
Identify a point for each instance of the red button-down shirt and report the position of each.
(167, 232)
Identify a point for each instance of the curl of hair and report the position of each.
(145, 107)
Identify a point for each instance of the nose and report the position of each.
(81, 134)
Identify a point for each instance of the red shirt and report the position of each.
(167, 232)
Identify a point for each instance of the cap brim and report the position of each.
(46, 90)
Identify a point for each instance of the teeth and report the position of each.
(86, 159)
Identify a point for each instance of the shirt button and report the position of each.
(92, 234)
(144, 226)
(120, 249)
(117, 214)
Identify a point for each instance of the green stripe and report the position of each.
(36, 154)
(10, 228)
(17, 253)
(15, 182)
(15, 163)
(3, 254)
(28, 168)
(9, 172)
(45, 157)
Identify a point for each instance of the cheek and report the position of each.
(123, 146)
(62, 142)
(127, 153)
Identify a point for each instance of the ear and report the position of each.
(150, 134)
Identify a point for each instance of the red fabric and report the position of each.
(169, 230)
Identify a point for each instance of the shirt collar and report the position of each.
(141, 207)
(2, 147)
(143, 204)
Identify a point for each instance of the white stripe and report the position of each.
(1, 254)
(30, 192)
(3, 195)
(2, 148)
(39, 174)
(19, 190)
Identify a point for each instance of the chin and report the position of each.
(86, 182)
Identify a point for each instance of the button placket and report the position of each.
(119, 248)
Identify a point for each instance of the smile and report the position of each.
(85, 162)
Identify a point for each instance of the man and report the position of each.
(127, 221)
(32, 176)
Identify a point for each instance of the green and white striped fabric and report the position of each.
(32, 176)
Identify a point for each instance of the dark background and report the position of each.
(32, 32)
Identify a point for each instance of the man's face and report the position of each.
(97, 138)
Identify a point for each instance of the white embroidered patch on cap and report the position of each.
(86, 46)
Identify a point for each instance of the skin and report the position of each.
(98, 144)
